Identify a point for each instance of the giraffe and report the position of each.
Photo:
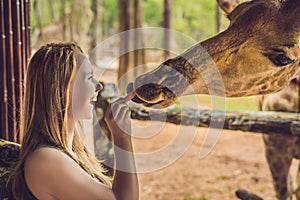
(259, 53)
(280, 149)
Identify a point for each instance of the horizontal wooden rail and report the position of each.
(253, 121)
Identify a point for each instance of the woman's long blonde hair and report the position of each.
(45, 111)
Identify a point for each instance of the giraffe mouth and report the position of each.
(152, 95)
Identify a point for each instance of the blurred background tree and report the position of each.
(90, 22)
(74, 19)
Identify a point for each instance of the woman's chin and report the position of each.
(88, 113)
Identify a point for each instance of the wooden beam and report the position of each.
(253, 121)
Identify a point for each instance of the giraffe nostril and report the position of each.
(264, 87)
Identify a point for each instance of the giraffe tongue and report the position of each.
(129, 96)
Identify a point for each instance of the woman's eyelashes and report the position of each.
(90, 76)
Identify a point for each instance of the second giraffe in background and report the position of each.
(281, 149)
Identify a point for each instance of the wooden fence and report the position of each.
(14, 54)
(265, 122)
(253, 121)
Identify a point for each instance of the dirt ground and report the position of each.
(237, 161)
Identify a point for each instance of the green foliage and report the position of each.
(194, 18)
(188, 197)
(109, 17)
(242, 103)
(238, 103)
(45, 14)
(153, 12)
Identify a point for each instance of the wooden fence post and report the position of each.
(14, 55)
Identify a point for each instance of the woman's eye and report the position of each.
(90, 78)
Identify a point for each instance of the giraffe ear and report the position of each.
(229, 5)
(290, 12)
(290, 5)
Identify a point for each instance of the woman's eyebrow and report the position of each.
(91, 72)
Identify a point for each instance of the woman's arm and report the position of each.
(125, 182)
(52, 174)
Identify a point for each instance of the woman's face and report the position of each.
(85, 89)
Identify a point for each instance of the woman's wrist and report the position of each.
(123, 142)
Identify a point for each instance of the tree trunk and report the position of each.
(38, 17)
(64, 19)
(95, 28)
(139, 54)
(51, 9)
(218, 18)
(124, 25)
(167, 26)
(130, 17)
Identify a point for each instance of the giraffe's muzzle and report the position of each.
(152, 95)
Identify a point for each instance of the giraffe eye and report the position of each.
(278, 57)
(282, 60)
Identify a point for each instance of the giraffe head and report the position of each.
(258, 53)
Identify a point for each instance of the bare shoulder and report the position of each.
(46, 157)
(49, 171)
(46, 152)
(43, 164)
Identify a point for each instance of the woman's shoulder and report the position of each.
(45, 167)
(45, 160)
(43, 154)
(50, 170)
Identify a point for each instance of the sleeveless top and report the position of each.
(27, 193)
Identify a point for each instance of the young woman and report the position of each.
(54, 163)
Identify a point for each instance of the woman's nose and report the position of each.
(98, 86)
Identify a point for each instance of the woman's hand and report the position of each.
(117, 117)
(125, 184)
